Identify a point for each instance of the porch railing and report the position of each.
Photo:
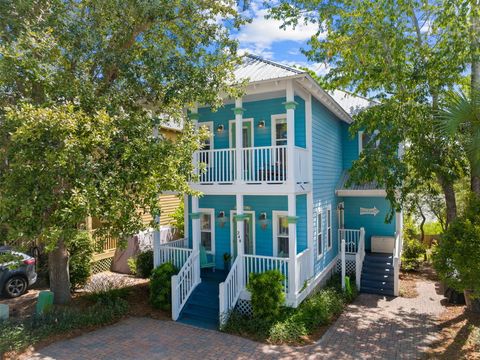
(264, 164)
(359, 256)
(219, 165)
(229, 291)
(397, 258)
(175, 252)
(351, 237)
(303, 273)
(259, 264)
(184, 283)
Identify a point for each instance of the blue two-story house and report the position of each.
(275, 195)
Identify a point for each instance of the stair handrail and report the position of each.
(397, 251)
(229, 291)
(359, 257)
(184, 283)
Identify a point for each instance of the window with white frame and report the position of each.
(329, 227)
(207, 143)
(207, 238)
(319, 235)
(279, 130)
(280, 224)
(364, 138)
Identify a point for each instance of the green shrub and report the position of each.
(179, 219)
(267, 294)
(81, 256)
(145, 264)
(456, 258)
(17, 335)
(161, 286)
(291, 326)
(413, 250)
(132, 265)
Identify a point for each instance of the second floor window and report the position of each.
(279, 137)
(319, 235)
(329, 228)
(365, 137)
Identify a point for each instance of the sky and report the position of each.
(263, 37)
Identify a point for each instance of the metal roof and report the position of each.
(342, 184)
(254, 68)
(352, 104)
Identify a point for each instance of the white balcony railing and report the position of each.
(264, 164)
(219, 165)
(259, 165)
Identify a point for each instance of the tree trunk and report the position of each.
(475, 184)
(450, 199)
(59, 274)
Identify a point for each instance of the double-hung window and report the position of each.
(329, 227)
(319, 235)
(280, 220)
(364, 138)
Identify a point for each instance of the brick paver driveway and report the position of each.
(372, 327)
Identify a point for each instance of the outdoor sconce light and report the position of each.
(263, 220)
(222, 219)
(261, 124)
(220, 128)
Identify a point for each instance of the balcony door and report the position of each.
(247, 133)
(249, 243)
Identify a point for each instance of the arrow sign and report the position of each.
(369, 211)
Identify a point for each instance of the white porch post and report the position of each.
(342, 254)
(196, 234)
(238, 110)
(156, 245)
(240, 235)
(292, 246)
(290, 105)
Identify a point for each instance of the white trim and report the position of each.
(251, 189)
(232, 213)
(362, 193)
(273, 132)
(360, 142)
(328, 229)
(318, 213)
(211, 212)
(275, 215)
(230, 122)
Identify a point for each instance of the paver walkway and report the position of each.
(373, 327)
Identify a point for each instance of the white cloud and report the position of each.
(261, 33)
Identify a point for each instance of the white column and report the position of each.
(238, 110)
(240, 235)
(290, 108)
(292, 245)
(342, 254)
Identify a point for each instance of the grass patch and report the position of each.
(294, 326)
(16, 335)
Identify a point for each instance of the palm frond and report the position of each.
(459, 112)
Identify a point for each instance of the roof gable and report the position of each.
(254, 68)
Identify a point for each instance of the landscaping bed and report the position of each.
(295, 326)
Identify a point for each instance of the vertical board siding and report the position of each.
(327, 168)
(374, 225)
(258, 110)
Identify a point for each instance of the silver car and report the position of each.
(16, 276)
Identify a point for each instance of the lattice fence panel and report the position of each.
(244, 307)
(102, 265)
(349, 267)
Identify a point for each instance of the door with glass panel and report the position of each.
(249, 235)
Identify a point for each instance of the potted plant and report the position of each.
(226, 261)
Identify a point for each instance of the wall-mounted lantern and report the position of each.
(261, 124)
(263, 220)
(222, 218)
(220, 128)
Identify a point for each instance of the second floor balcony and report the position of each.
(266, 165)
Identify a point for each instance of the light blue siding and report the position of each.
(327, 168)
(349, 146)
(301, 223)
(374, 225)
(258, 110)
